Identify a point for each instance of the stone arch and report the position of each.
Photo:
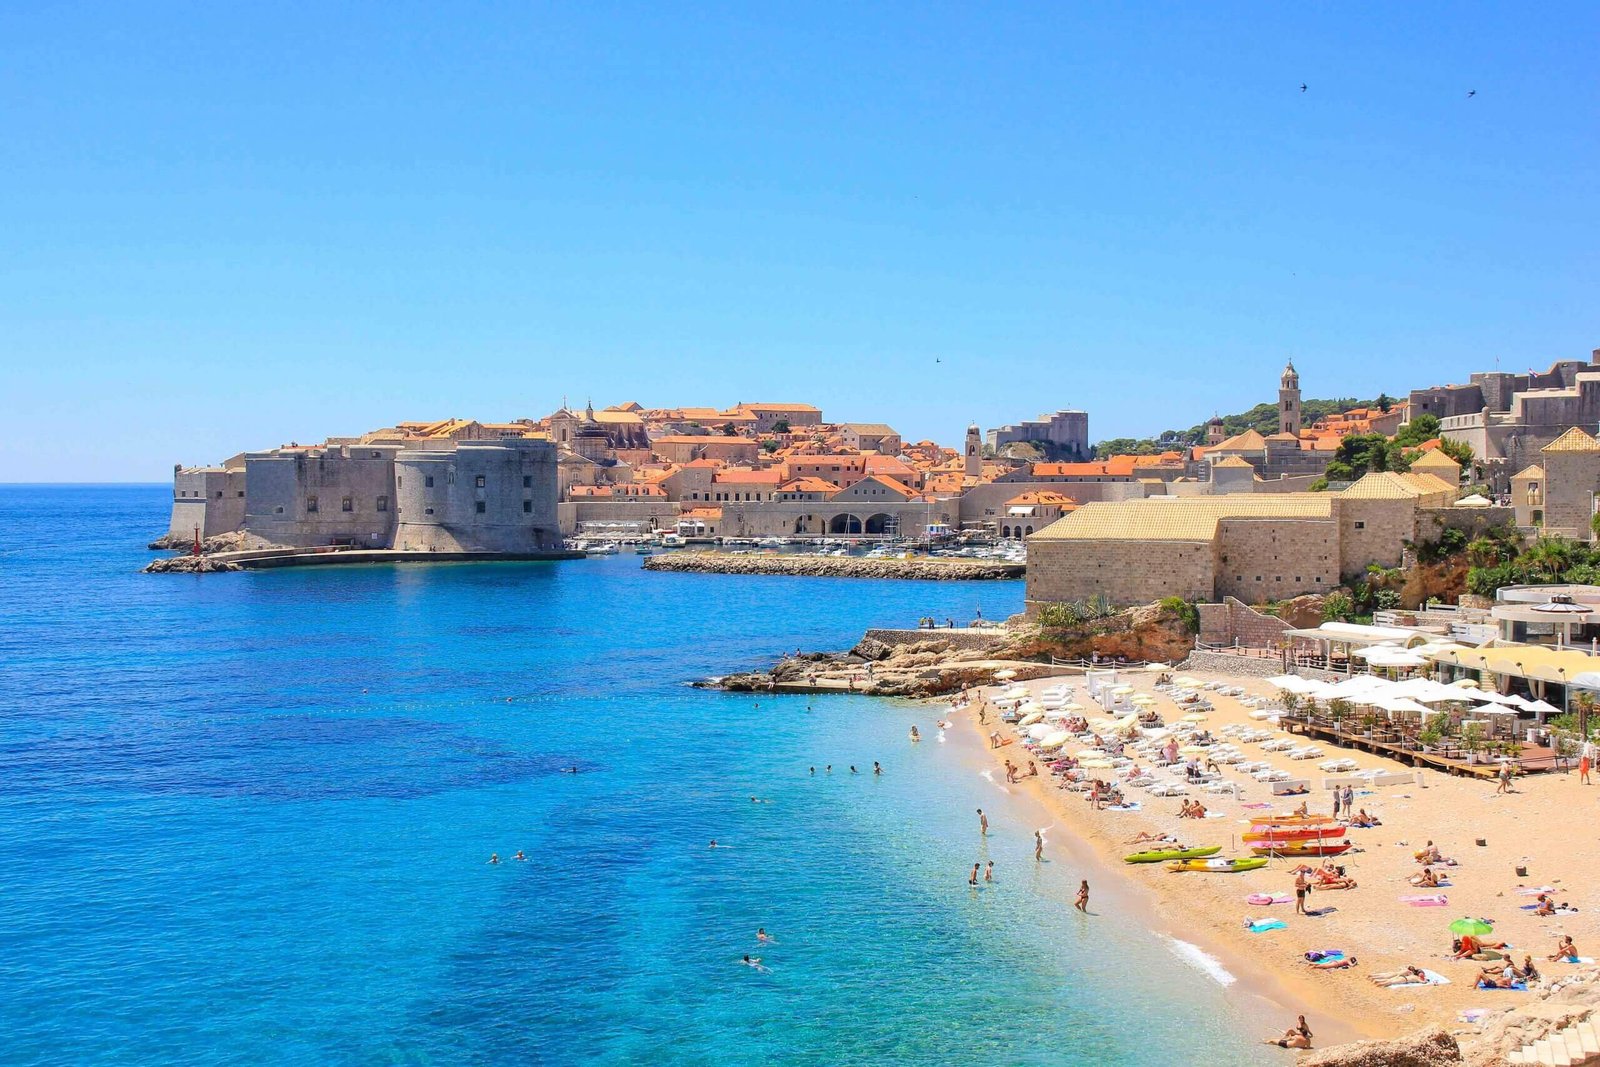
(1028, 532)
(878, 524)
(1005, 531)
(845, 524)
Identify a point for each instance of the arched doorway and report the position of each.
(878, 524)
(1005, 531)
(845, 524)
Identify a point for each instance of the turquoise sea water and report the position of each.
(246, 819)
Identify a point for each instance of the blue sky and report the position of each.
(230, 226)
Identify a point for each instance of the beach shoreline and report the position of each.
(1369, 922)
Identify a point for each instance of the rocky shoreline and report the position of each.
(188, 565)
(834, 566)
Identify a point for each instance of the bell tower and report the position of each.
(1289, 401)
(974, 457)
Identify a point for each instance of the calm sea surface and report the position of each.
(245, 818)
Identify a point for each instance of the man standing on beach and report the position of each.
(983, 823)
(1505, 779)
(1349, 801)
(1302, 885)
(1038, 846)
(1338, 797)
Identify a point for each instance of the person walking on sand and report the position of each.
(983, 823)
(1038, 846)
(1583, 765)
(1082, 903)
(1505, 779)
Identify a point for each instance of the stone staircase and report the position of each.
(1578, 1043)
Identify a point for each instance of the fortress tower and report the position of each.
(1289, 401)
(974, 457)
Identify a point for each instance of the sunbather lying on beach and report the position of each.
(1408, 976)
(1472, 946)
(1148, 836)
(1363, 820)
(1330, 877)
(1335, 963)
(1487, 982)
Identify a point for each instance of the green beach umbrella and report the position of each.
(1472, 927)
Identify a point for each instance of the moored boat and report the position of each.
(1274, 832)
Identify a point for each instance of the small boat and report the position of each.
(1295, 820)
(1172, 854)
(1218, 866)
(1275, 832)
(1299, 848)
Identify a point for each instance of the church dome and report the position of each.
(1291, 377)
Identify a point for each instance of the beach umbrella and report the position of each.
(1470, 927)
(1016, 692)
(1143, 698)
(1005, 675)
(1193, 750)
(1055, 740)
(1072, 706)
(1122, 690)
(1096, 764)
(1195, 716)
(1464, 683)
(1185, 680)
(1030, 719)
(1039, 731)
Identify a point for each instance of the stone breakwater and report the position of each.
(189, 565)
(834, 566)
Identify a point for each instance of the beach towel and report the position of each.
(1261, 926)
(1317, 956)
(1132, 805)
(1576, 959)
(1255, 805)
(1432, 978)
(1268, 898)
(1427, 902)
(1534, 890)
(1517, 987)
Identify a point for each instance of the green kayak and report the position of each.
(1172, 854)
(1218, 866)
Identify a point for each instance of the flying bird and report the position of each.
(1471, 93)
(1302, 87)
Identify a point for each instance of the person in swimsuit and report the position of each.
(1566, 950)
(973, 879)
(915, 736)
(1302, 886)
(988, 872)
(764, 937)
(983, 823)
(1038, 846)
(1082, 903)
(519, 857)
(752, 962)
(1409, 976)
(494, 857)
(1297, 1036)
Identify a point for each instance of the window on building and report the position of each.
(527, 507)
(450, 478)
(482, 507)
(1360, 525)
(428, 482)
(219, 494)
(377, 455)
(311, 503)
(427, 511)
(347, 504)
(527, 481)
(240, 493)
(383, 503)
(278, 510)
(479, 481)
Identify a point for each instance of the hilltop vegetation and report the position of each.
(1263, 418)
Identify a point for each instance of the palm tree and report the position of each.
(1584, 701)
(1549, 556)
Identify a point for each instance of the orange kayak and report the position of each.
(1278, 832)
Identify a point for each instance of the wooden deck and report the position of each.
(1451, 759)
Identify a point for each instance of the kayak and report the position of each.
(1172, 854)
(1295, 820)
(1218, 866)
(1274, 832)
(1298, 848)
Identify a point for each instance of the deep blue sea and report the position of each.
(245, 819)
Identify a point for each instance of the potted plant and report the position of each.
(1339, 710)
(1431, 734)
(1291, 703)
(1472, 739)
(1369, 724)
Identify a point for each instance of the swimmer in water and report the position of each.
(715, 845)
(753, 961)
(988, 872)
(915, 736)
(853, 769)
(569, 770)
(764, 937)
(519, 857)
(494, 857)
(983, 823)
(875, 768)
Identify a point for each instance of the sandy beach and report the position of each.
(1538, 826)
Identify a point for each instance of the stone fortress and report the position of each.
(451, 496)
(1508, 419)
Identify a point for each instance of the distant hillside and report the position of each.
(1263, 418)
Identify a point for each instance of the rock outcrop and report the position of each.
(1432, 1047)
(232, 541)
(833, 566)
(188, 565)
